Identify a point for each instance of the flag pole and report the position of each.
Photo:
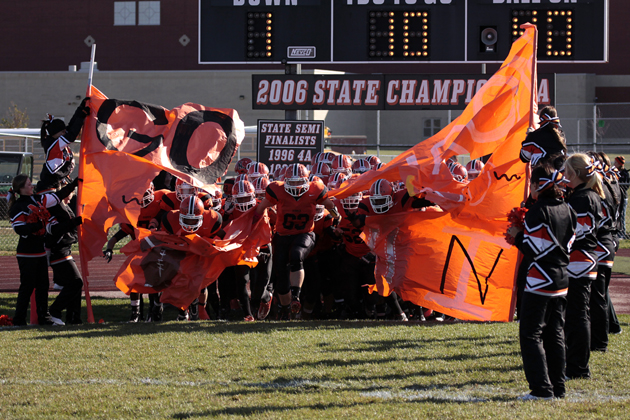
(84, 263)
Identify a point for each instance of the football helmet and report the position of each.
(352, 201)
(328, 157)
(241, 177)
(148, 196)
(319, 212)
(217, 200)
(341, 163)
(474, 168)
(184, 189)
(244, 195)
(315, 159)
(322, 170)
(361, 166)
(241, 165)
(381, 196)
(296, 180)
(260, 186)
(191, 214)
(257, 170)
(378, 166)
(459, 172)
(336, 180)
(278, 174)
(374, 160)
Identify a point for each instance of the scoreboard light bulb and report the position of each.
(555, 13)
(406, 54)
(268, 21)
(425, 34)
(425, 21)
(521, 32)
(268, 41)
(534, 12)
(549, 33)
(405, 21)
(569, 33)
(425, 53)
(515, 20)
(534, 20)
(268, 47)
(568, 39)
(268, 28)
(391, 34)
(569, 13)
(568, 52)
(549, 39)
(549, 20)
(514, 33)
(425, 14)
(562, 13)
(561, 52)
(568, 46)
(549, 46)
(406, 28)
(569, 20)
(405, 47)
(549, 12)
(405, 41)
(424, 41)
(268, 54)
(425, 27)
(405, 33)
(555, 53)
(391, 14)
(391, 21)
(391, 40)
(391, 27)
(269, 15)
(514, 26)
(391, 47)
(406, 14)
(391, 53)
(424, 47)
(268, 34)
(548, 52)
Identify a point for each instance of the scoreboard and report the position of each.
(397, 31)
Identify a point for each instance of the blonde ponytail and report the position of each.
(583, 167)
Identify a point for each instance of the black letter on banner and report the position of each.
(183, 133)
(482, 293)
(157, 114)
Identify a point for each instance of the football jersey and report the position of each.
(352, 237)
(295, 214)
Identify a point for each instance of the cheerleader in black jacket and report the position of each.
(29, 213)
(56, 138)
(586, 200)
(549, 232)
(61, 234)
(606, 248)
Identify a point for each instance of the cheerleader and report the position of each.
(549, 231)
(29, 214)
(586, 200)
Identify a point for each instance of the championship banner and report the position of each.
(377, 92)
(457, 261)
(281, 143)
(125, 144)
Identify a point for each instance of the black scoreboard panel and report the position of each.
(237, 31)
(397, 31)
(573, 30)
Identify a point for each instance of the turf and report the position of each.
(271, 370)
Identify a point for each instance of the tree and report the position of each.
(14, 118)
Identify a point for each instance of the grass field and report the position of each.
(296, 370)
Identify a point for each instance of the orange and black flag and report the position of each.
(456, 261)
(125, 144)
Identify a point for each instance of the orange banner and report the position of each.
(456, 261)
(180, 267)
(125, 144)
